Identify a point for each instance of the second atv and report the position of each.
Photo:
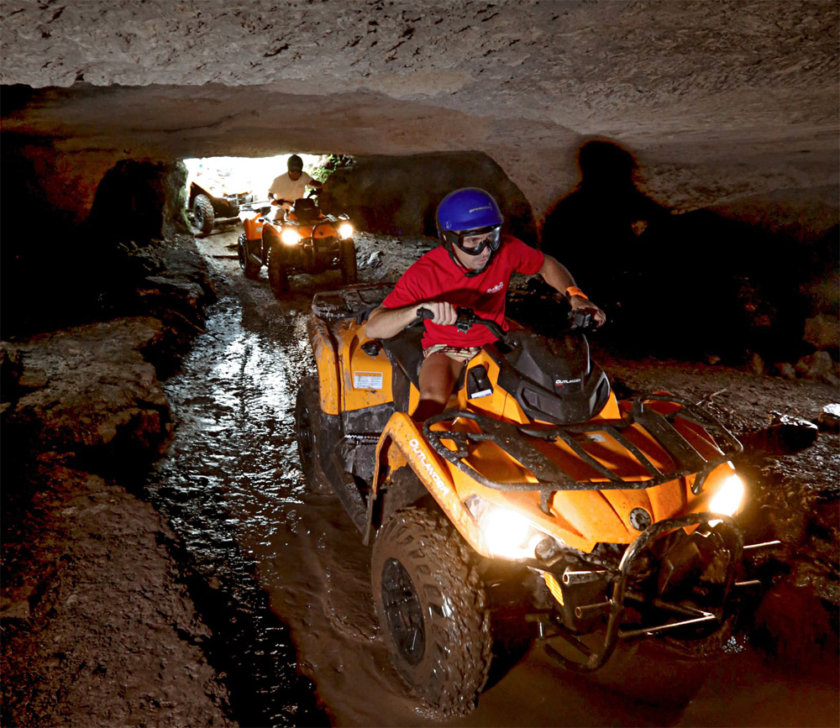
(536, 494)
(301, 239)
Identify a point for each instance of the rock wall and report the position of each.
(729, 105)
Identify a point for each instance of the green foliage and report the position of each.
(333, 163)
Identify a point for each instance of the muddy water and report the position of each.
(284, 577)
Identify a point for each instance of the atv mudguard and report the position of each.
(402, 444)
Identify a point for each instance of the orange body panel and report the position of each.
(323, 346)
(254, 226)
(402, 433)
(367, 379)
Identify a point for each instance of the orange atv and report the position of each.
(301, 239)
(535, 494)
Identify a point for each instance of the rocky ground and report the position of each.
(98, 624)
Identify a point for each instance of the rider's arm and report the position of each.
(559, 278)
(556, 274)
(383, 323)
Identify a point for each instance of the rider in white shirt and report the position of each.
(292, 185)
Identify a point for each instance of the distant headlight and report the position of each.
(345, 230)
(290, 236)
(506, 533)
(730, 493)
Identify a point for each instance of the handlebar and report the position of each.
(581, 321)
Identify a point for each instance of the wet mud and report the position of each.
(282, 577)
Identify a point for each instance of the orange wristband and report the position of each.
(575, 291)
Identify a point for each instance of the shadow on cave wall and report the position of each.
(57, 273)
(696, 285)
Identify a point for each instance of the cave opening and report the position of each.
(218, 188)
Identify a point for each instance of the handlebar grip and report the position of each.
(581, 320)
(422, 313)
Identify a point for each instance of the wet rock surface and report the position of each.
(90, 388)
(251, 577)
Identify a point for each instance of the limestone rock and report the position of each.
(90, 389)
(815, 366)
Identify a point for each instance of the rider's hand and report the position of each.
(579, 303)
(442, 312)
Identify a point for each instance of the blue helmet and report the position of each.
(469, 208)
(466, 213)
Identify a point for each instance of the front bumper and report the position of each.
(587, 656)
(312, 256)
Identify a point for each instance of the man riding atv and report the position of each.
(473, 269)
(292, 185)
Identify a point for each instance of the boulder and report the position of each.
(89, 391)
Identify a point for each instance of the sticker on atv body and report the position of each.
(367, 380)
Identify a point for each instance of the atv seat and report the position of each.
(404, 351)
(306, 210)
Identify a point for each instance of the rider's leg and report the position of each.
(438, 375)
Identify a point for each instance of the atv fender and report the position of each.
(402, 442)
(323, 346)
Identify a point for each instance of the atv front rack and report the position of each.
(681, 615)
(513, 440)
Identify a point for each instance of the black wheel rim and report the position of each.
(403, 612)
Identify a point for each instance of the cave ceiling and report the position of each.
(724, 104)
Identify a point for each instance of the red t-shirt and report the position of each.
(436, 277)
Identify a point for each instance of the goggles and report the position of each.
(473, 242)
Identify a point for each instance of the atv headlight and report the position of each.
(290, 236)
(728, 497)
(345, 230)
(505, 532)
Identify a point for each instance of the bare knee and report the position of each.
(437, 379)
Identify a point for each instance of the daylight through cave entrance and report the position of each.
(216, 187)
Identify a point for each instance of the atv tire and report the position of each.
(278, 276)
(702, 643)
(203, 216)
(432, 609)
(307, 429)
(347, 259)
(249, 267)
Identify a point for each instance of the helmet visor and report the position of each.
(473, 242)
